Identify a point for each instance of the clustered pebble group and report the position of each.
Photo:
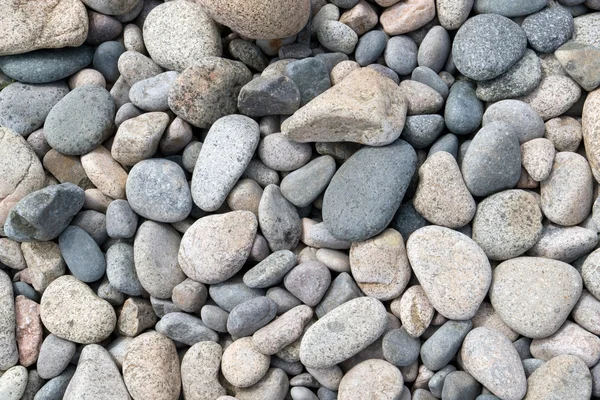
(299, 199)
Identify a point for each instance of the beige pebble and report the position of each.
(66, 169)
(486, 316)
(342, 70)
(242, 365)
(86, 76)
(11, 254)
(361, 18)
(335, 260)
(176, 137)
(538, 156)
(30, 332)
(554, 96)
(371, 379)
(96, 200)
(570, 339)
(564, 132)
(136, 316)
(137, 138)
(414, 310)
(44, 262)
(283, 331)
(245, 195)
(104, 172)
(200, 371)
(422, 99)
(407, 16)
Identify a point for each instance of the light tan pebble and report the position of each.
(307, 254)
(66, 169)
(133, 39)
(380, 266)
(11, 254)
(86, 76)
(190, 295)
(407, 16)
(487, 317)
(135, 67)
(563, 377)
(414, 310)
(409, 373)
(273, 386)
(245, 195)
(242, 365)
(361, 18)
(421, 98)
(564, 132)
(44, 262)
(30, 332)
(550, 65)
(96, 200)
(283, 331)
(137, 138)
(537, 156)
(136, 316)
(176, 137)
(371, 379)
(342, 70)
(335, 260)
(423, 377)
(144, 376)
(554, 96)
(200, 371)
(305, 226)
(570, 339)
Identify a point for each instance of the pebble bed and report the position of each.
(299, 199)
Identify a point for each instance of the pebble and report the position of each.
(354, 208)
(96, 376)
(463, 111)
(249, 316)
(302, 393)
(554, 96)
(13, 383)
(34, 384)
(29, 330)
(493, 160)
(361, 18)
(524, 120)
(66, 169)
(86, 76)
(342, 70)
(152, 94)
(407, 16)
(399, 348)
(225, 154)
(380, 266)
(421, 99)
(273, 386)
(490, 357)
(576, 59)
(178, 34)
(507, 224)
(248, 53)
(548, 29)
(308, 282)
(443, 345)
(585, 312)
(158, 190)
(74, 242)
(120, 92)
(519, 80)
(185, 328)
(282, 154)
(24, 107)
(401, 54)
(28, 219)
(143, 376)
(538, 157)
(271, 270)
(420, 131)
(135, 67)
(176, 137)
(8, 351)
(447, 143)
(454, 295)
(434, 49)
(534, 296)
(479, 55)
(214, 318)
(54, 356)
(11, 254)
(567, 192)
(310, 76)
(71, 310)
(44, 263)
(570, 339)
(232, 292)
(302, 186)
(453, 13)
(121, 220)
(56, 387)
(371, 378)
(102, 28)
(430, 78)
(200, 371)
(442, 196)
(242, 365)
(591, 130)
(414, 310)
(337, 36)
(342, 289)
(278, 219)
(155, 250)
(260, 173)
(460, 385)
(563, 377)
(137, 138)
(343, 332)
(245, 195)
(105, 60)
(46, 65)
(256, 97)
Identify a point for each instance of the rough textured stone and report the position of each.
(563, 377)
(524, 120)
(580, 62)
(453, 13)
(278, 219)
(407, 16)
(283, 331)
(242, 365)
(272, 95)
(591, 131)
(185, 328)
(8, 349)
(371, 378)
(554, 96)
(548, 29)
(200, 371)
(414, 310)
(569, 339)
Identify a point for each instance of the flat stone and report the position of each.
(157, 189)
(271, 270)
(334, 115)
(453, 13)
(548, 29)
(407, 16)
(591, 131)
(208, 90)
(135, 67)
(484, 174)
(507, 224)
(155, 251)
(343, 332)
(71, 310)
(567, 192)
(249, 316)
(8, 351)
(579, 61)
(442, 196)
(491, 358)
(311, 77)
(401, 54)
(225, 154)
(538, 157)
(524, 289)
(200, 371)
(80, 121)
(143, 376)
(242, 365)
(24, 107)
(353, 201)
(460, 385)
(83, 256)
(371, 378)
(570, 339)
(29, 220)
(554, 96)
(272, 95)
(55, 388)
(454, 295)
(443, 345)
(97, 376)
(177, 35)
(478, 54)
(44, 66)
(564, 243)
(152, 94)
(524, 120)
(421, 98)
(185, 328)
(302, 186)
(563, 377)
(520, 79)
(279, 220)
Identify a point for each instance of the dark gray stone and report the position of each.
(24, 289)
(385, 71)
(447, 143)
(34, 384)
(82, 255)
(524, 120)
(248, 53)
(342, 289)
(157, 189)
(407, 220)
(232, 292)
(302, 186)
(269, 95)
(271, 270)
(24, 107)
(106, 58)
(55, 388)
(80, 121)
(311, 76)
(120, 269)
(436, 383)
(279, 220)
(493, 160)
(367, 189)
(94, 223)
(459, 385)
(510, 8)
(370, 46)
(430, 78)
(442, 346)
(295, 50)
(487, 45)
(185, 328)
(522, 345)
(249, 316)
(344, 3)
(521, 79)
(548, 29)
(42, 215)
(214, 318)
(102, 28)
(463, 110)
(331, 59)
(121, 220)
(399, 348)
(422, 130)
(434, 49)
(401, 54)
(325, 394)
(48, 65)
